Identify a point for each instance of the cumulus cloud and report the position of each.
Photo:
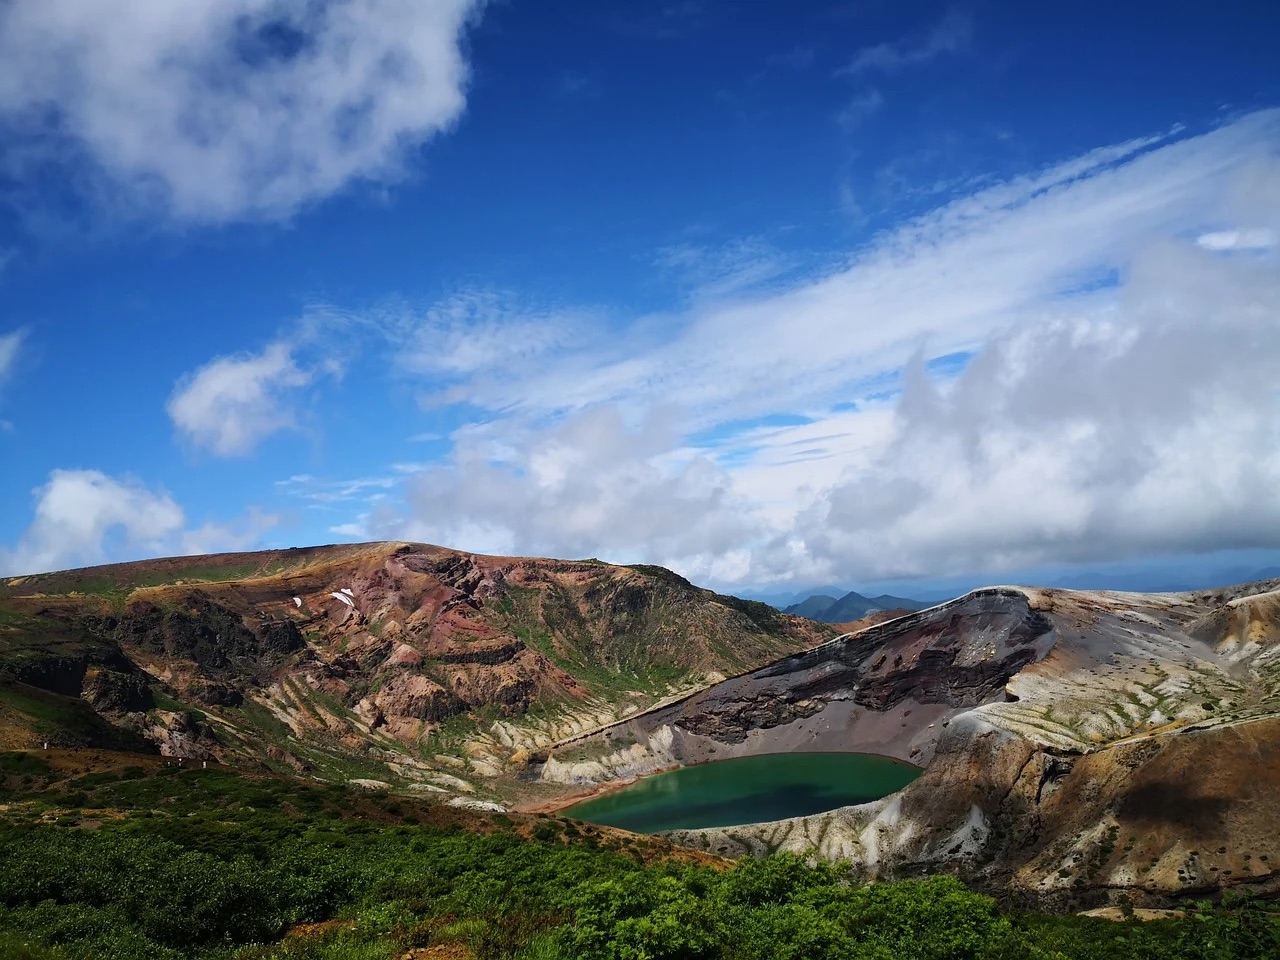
(86, 517)
(594, 484)
(212, 537)
(219, 111)
(232, 403)
(83, 516)
(1091, 381)
(1142, 424)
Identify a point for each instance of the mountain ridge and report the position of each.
(397, 662)
(850, 606)
(1052, 725)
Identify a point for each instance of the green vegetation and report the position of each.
(123, 863)
(532, 615)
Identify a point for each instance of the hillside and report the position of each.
(812, 607)
(1077, 747)
(401, 664)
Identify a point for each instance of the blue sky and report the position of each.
(771, 293)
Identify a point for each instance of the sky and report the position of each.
(898, 296)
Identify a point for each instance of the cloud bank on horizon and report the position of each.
(1073, 364)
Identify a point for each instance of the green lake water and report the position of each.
(747, 790)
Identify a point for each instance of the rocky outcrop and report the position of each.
(116, 691)
(196, 627)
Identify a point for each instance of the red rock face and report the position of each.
(406, 636)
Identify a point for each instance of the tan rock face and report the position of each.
(417, 697)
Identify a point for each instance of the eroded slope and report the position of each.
(381, 662)
(1076, 745)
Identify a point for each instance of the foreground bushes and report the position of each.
(218, 872)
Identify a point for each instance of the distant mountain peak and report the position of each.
(850, 607)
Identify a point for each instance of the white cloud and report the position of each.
(86, 517)
(984, 262)
(219, 111)
(950, 35)
(859, 108)
(712, 272)
(468, 333)
(213, 537)
(1132, 424)
(592, 484)
(324, 493)
(1122, 398)
(233, 403)
(79, 511)
(1256, 239)
(10, 345)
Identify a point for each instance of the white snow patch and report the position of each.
(343, 597)
(297, 602)
(347, 591)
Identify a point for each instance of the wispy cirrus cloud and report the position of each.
(951, 34)
(990, 259)
(214, 112)
(717, 271)
(1255, 239)
(325, 492)
(1112, 393)
(10, 348)
(10, 345)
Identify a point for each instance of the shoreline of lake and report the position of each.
(754, 789)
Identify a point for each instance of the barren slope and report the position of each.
(1076, 745)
